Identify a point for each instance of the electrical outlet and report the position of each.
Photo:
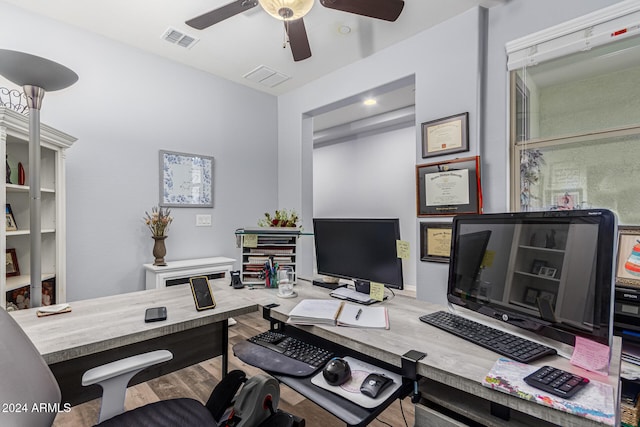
(203, 220)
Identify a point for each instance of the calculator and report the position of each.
(556, 381)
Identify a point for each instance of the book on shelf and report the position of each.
(338, 313)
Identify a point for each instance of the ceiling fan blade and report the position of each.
(388, 10)
(298, 39)
(220, 14)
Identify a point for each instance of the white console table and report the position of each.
(176, 272)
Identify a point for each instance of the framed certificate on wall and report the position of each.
(449, 188)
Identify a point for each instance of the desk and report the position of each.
(101, 330)
(453, 367)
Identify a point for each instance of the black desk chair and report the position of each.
(33, 397)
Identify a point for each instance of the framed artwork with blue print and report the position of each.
(186, 180)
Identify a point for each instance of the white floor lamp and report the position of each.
(37, 76)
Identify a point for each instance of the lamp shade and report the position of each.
(25, 69)
(287, 10)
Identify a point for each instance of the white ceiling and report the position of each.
(240, 44)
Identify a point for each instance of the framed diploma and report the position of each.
(449, 188)
(445, 136)
(435, 241)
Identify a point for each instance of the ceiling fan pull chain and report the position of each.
(285, 38)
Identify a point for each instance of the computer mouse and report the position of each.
(337, 371)
(373, 385)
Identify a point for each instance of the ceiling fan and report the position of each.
(292, 12)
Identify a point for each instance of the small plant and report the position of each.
(158, 221)
(530, 163)
(281, 218)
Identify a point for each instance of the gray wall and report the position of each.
(126, 106)
(448, 71)
(370, 177)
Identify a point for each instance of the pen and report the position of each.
(359, 313)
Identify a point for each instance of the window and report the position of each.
(575, 121)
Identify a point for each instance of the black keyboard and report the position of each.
(504, 343)
(279, 353)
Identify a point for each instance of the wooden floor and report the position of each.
(197, 382)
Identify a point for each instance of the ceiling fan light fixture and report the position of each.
(287, 10)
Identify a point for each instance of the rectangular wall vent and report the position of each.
(266, 76)
(177, 37)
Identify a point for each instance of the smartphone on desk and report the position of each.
(202, 293)
(155, 314)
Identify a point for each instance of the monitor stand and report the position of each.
(328, 285)
(362, 286)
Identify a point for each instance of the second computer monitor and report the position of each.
(359, 249)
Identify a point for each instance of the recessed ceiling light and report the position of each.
(344, 29)
(370, 101)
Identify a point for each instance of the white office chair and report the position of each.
(32, 394)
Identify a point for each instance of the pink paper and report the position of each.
(591, 356)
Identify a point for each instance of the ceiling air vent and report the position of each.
(181, 39)
(266, 76)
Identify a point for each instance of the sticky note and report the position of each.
(402, 248)
(250, 241)
(487, 260)
(591, 356)
(376, 291)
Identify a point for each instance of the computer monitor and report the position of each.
(549, 272)
(363, 250)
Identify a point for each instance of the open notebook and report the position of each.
(340, 313)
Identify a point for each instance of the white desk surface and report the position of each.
(105, 323)
(450, 360)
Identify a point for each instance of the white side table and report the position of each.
(178, 272)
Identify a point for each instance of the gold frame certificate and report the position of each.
(435, 241)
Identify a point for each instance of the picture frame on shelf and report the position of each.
(449, 188)
(13, 269)
(547, 272)
(435, 241)
(186, 180)
(547, 295)
(447, 135)
(11, 220)
(537, 265)
(628, 256)
(530, 295)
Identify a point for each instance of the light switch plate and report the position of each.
(203, 220)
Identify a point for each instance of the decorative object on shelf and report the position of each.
(550, 239)
(36, 75)
(628, 257)
(530, 296)
(11, 221)
(22, 177)
(158, 222)
(13, 269)
(186, 180)
(449, 188)
(281, 218)
(445, 136)
(547, 272)
(537, 265)
(435, 241)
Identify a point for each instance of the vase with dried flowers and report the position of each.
(158, 222)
